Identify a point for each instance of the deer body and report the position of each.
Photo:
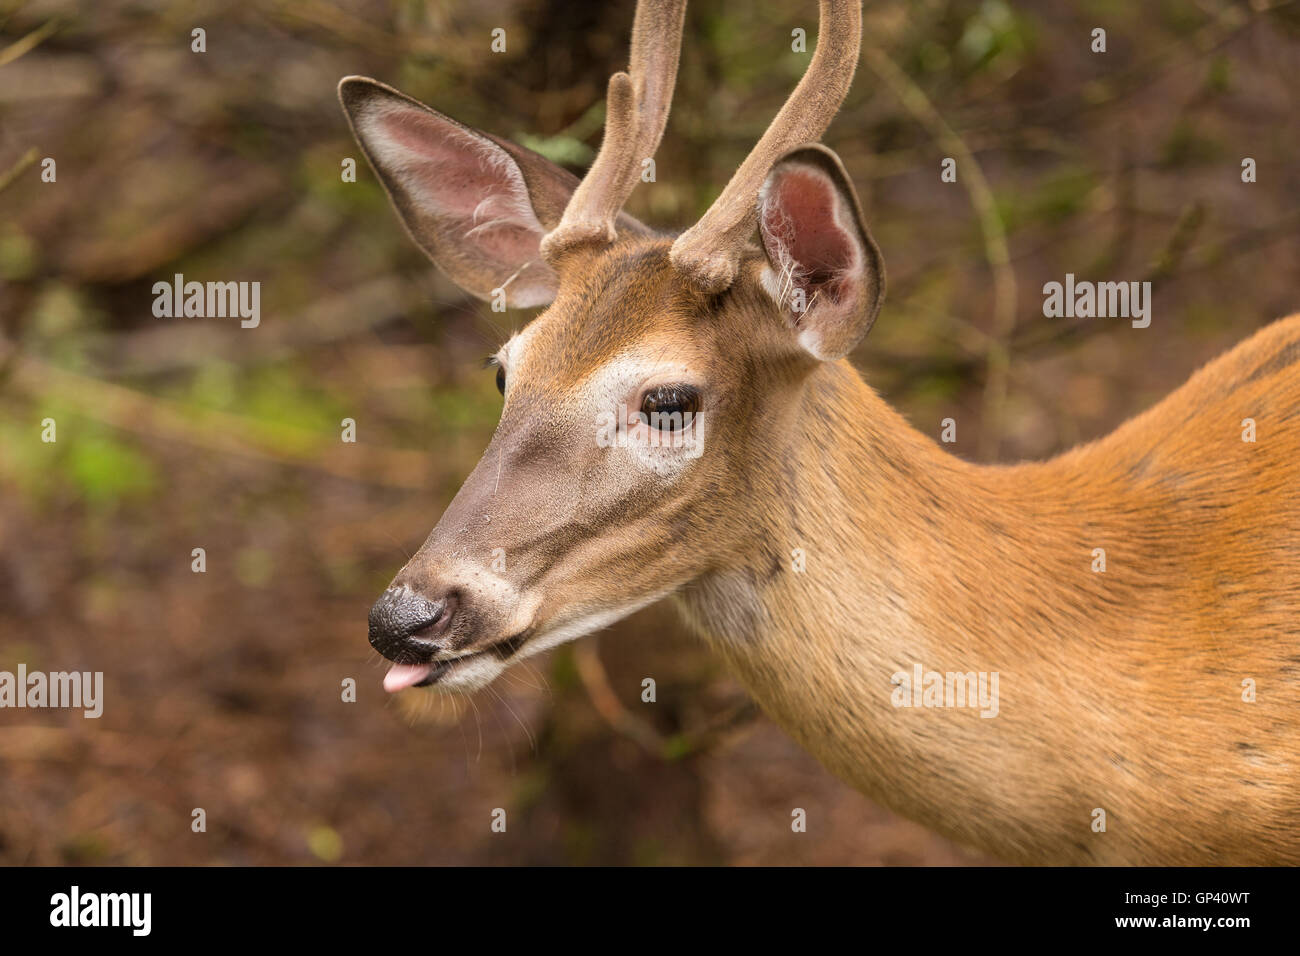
(1120, 690)
(1145, 712)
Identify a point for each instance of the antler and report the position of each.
(709, 252)
(636, 111)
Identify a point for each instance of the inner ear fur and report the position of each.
(477, 204)
(824, 270)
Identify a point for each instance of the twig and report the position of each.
(992, 230)
(16, 49)
(1169, 258)
(1066, 107)
(18, 168)
(623, 721)
(608, 706)
(135, 411)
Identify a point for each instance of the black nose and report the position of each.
(405, 626)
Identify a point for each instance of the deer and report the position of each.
(1147, 713)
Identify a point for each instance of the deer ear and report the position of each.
(477, 205)
(823, 268)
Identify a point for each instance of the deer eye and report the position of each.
(668, 406)
(501, 380)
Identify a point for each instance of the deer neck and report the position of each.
(870, 561)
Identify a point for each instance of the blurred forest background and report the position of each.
(223, 688)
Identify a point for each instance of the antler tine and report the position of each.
(636, 112)
(709, 252)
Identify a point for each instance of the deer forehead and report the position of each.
(620, 316)
(611, 378)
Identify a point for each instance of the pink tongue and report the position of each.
(402, 676)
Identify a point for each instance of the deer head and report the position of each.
(646, 410)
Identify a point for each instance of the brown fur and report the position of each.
(1120, 691)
